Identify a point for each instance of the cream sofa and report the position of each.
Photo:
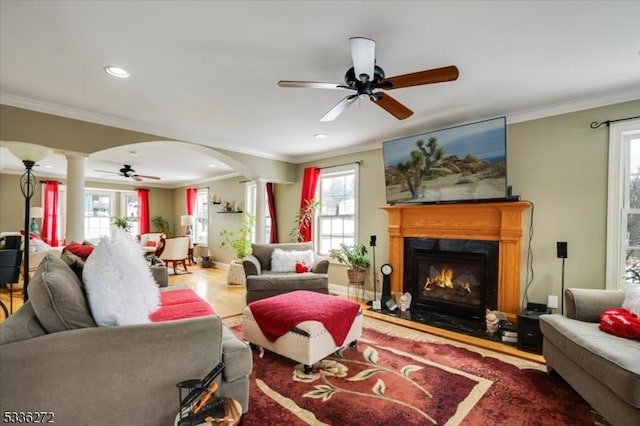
(604, 369)
(55, 359)
(262, 282)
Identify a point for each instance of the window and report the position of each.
(250, 202)
(623, 214)
(129, 209)
(98, 214)
(337, 221)
(201, 229)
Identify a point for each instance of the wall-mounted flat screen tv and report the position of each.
(463, 163)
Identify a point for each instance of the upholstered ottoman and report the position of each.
(302, 325)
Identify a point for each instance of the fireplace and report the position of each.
(452, 277)
(497, 224)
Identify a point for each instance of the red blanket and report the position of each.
(180, 304)
(278, 315)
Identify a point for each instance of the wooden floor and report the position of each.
(229, 300)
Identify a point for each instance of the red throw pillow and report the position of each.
(81, 250)
(302, 267)
(621, 323)
(150, 244)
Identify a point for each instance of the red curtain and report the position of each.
(191, 200)
(143, 210)
(309, 185)
(50, 213)
(271, 202)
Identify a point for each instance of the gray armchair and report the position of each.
(262, 282)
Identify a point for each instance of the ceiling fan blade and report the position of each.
(140, 177)
(436, 75)
(392, 106)
(339, 108)
(311, 84)
(106, 171)
(363, 54)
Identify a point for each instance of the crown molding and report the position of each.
(573, 106)
(516, 117)
(121, 123)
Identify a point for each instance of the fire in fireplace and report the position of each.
(456, 278)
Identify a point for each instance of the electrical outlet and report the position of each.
(552, 301)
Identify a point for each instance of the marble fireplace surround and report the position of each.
(491, 221)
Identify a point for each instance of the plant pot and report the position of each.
(236, 273)
(356, 275)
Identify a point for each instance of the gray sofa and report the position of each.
(604, 369)
(54, 358)
(263, 283)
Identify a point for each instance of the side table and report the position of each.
(529, 334)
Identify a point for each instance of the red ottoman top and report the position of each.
(279, 314)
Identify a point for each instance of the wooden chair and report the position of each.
(176, 250)
(10, 260)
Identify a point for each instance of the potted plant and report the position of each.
(354, 257)
(239, 240)
(161, 224)
(122, 223)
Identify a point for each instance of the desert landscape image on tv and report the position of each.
(464, 163)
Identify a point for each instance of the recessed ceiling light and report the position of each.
(321, 136)
(213, 165)
(116, 71)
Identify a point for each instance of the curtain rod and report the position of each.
(595, 124)
(359, 163)
(45, 181)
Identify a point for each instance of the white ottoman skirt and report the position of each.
(308, 343)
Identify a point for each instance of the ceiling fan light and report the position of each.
(116, 71)
(321, 136)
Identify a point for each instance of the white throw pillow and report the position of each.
(118, 282)
(632, 299)
(39, 245)
(285, 261)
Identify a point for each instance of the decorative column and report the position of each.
(75, 198)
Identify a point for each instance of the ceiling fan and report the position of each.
(128, 172)
(365, 77)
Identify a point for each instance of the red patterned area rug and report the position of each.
(397, 376)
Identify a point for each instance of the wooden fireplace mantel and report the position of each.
(498, 221)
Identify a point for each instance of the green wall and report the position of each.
(558, 163)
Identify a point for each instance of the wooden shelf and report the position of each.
(238, 211)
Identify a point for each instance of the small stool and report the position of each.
(309, 341)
